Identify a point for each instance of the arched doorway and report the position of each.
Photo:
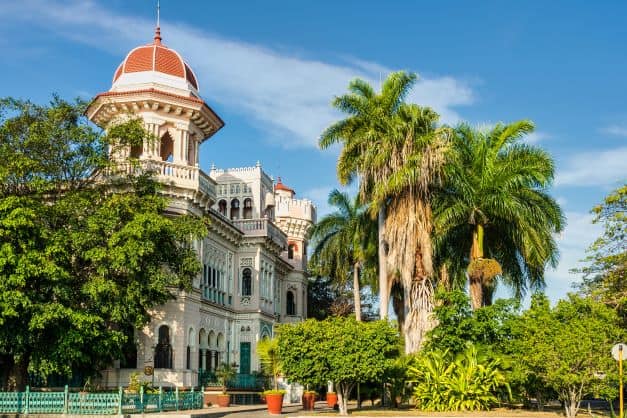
(167, 147)
(163, 350)
(291, 303)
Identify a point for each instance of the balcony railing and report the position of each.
(185, 176)
(262, 228)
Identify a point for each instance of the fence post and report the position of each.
(26, 407)
(66, 399)
(141, 398)
(160, 398)
(177, 398)
(120, 395)
(192, 403)
(202, 397)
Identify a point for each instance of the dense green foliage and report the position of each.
(489, 327)
(467, 381)
(341, 350)
(545, 353)
(567, 347)
(83, 256)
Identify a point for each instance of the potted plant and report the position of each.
(224, 373)
(268, 351)
(331, 399)
(309, 399)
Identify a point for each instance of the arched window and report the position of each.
(234, 209)
(291, 303)
(247, 282)
(163, 350)
(222, 207)
(248, 208)
(290, 251)
(167, 147)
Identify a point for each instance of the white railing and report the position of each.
(262, 228)
(184, 176)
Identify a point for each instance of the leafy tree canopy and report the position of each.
(458, 325)
(83, 256)
(606, 273)
(568, 347)
(341, 350)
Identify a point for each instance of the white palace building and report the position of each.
(254, 256)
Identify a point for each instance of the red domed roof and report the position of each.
(156, 57)
(280, 186)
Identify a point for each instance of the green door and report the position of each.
(244, 358)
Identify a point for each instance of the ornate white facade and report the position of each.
(254, 256)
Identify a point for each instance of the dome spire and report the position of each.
(157, 37)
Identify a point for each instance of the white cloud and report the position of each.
(288, 95)
(536, 137)
(594, 168)
(616, 130)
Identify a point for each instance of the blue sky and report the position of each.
(271, 68)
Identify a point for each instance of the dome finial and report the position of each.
(157, 37)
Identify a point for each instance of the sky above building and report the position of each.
(271, 68)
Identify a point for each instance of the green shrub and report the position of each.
(465, 382)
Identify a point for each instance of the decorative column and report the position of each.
(203, 363)
(180, 146)
(152, 147)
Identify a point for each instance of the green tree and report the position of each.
(605, 276)
(495, 212)
(341, 350)
(397, 152)
(84, 256)
(488, 328)
(568, 347)
(344, 242)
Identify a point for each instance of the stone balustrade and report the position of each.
(262, 228)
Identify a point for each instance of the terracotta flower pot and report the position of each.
(331, 399)
(309, 400)
(224, 399)
(275, 403)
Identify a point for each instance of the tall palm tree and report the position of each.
(397, 152)
(495, 207)
(344, 243)
(370, 122)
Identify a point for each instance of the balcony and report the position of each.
(178, 175)
(262, 228)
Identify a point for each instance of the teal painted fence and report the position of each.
(105, 403)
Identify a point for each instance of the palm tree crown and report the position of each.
(495, 208)
(344, 243)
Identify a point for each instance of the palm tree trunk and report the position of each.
(398, 304)
(384, 288)
(475, 286)
(408, 231)
(445, 279)
(356, 293)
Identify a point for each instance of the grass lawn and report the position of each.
(494, 413)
